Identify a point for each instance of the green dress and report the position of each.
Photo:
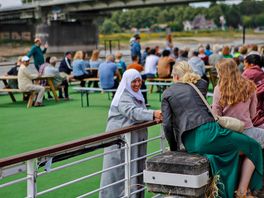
(222, 147)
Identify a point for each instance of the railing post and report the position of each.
(31, 180)
(162, 139)
(127, 166)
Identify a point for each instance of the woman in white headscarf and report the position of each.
(127, 108)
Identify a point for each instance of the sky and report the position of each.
(10, 3)
(207, 4)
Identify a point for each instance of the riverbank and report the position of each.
(180, 39)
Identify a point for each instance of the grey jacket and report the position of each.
(183, 110)
(128, 112)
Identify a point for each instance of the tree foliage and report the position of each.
(248, 13)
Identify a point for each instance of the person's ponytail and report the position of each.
(190, 77)
(184, 71)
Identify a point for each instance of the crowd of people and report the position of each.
(187, 122)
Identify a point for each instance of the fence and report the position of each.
(31, 162)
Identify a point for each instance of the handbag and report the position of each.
(227, 122)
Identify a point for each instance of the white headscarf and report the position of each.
(125, 83)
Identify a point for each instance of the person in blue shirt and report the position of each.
(208, 51)
(79, 68)
(136, 48)
(37, 53)
(107, 71)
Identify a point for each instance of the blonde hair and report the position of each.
(53, 60)
(233, 87)
(78, 55)
(185, 73)
(95, 55)
(118, 55)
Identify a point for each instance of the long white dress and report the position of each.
(128, 112)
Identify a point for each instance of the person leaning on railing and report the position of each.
(187, 118)
(127, 108)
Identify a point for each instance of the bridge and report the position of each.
(66, 24)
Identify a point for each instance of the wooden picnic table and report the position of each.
(48, 78)
(212, 75)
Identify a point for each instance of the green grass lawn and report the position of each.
(25, 130)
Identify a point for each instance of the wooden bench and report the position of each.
(158, 80)
(87, 90)
(161, 85)
(30, 93)
(74, 81)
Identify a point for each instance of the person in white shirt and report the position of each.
(151, 64)
(58, 80)
(25, 83)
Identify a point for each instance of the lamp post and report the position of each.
(244, 34)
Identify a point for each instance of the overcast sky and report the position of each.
(10, 3)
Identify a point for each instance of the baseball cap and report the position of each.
(25, 58)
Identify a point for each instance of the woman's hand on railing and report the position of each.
(158, 116)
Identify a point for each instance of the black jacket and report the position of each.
(64, 67)
(183, 110)
(13, 71)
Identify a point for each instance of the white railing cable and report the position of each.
(14, 182)
(139, 190)
(99, 189)
(79, 161)
(79, 179)
(136, 175)
(145, 156)
(145, 141)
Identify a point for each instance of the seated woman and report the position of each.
(186, 118)
(253, 71)
(236, 97)
(127, 108)
(78, 68)
(95, 61)
(13, 72)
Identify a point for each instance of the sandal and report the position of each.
(243, 195)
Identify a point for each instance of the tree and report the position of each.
(259, 20)
(247, 21)
(109, 27)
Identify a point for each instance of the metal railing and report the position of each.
(31, 162)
